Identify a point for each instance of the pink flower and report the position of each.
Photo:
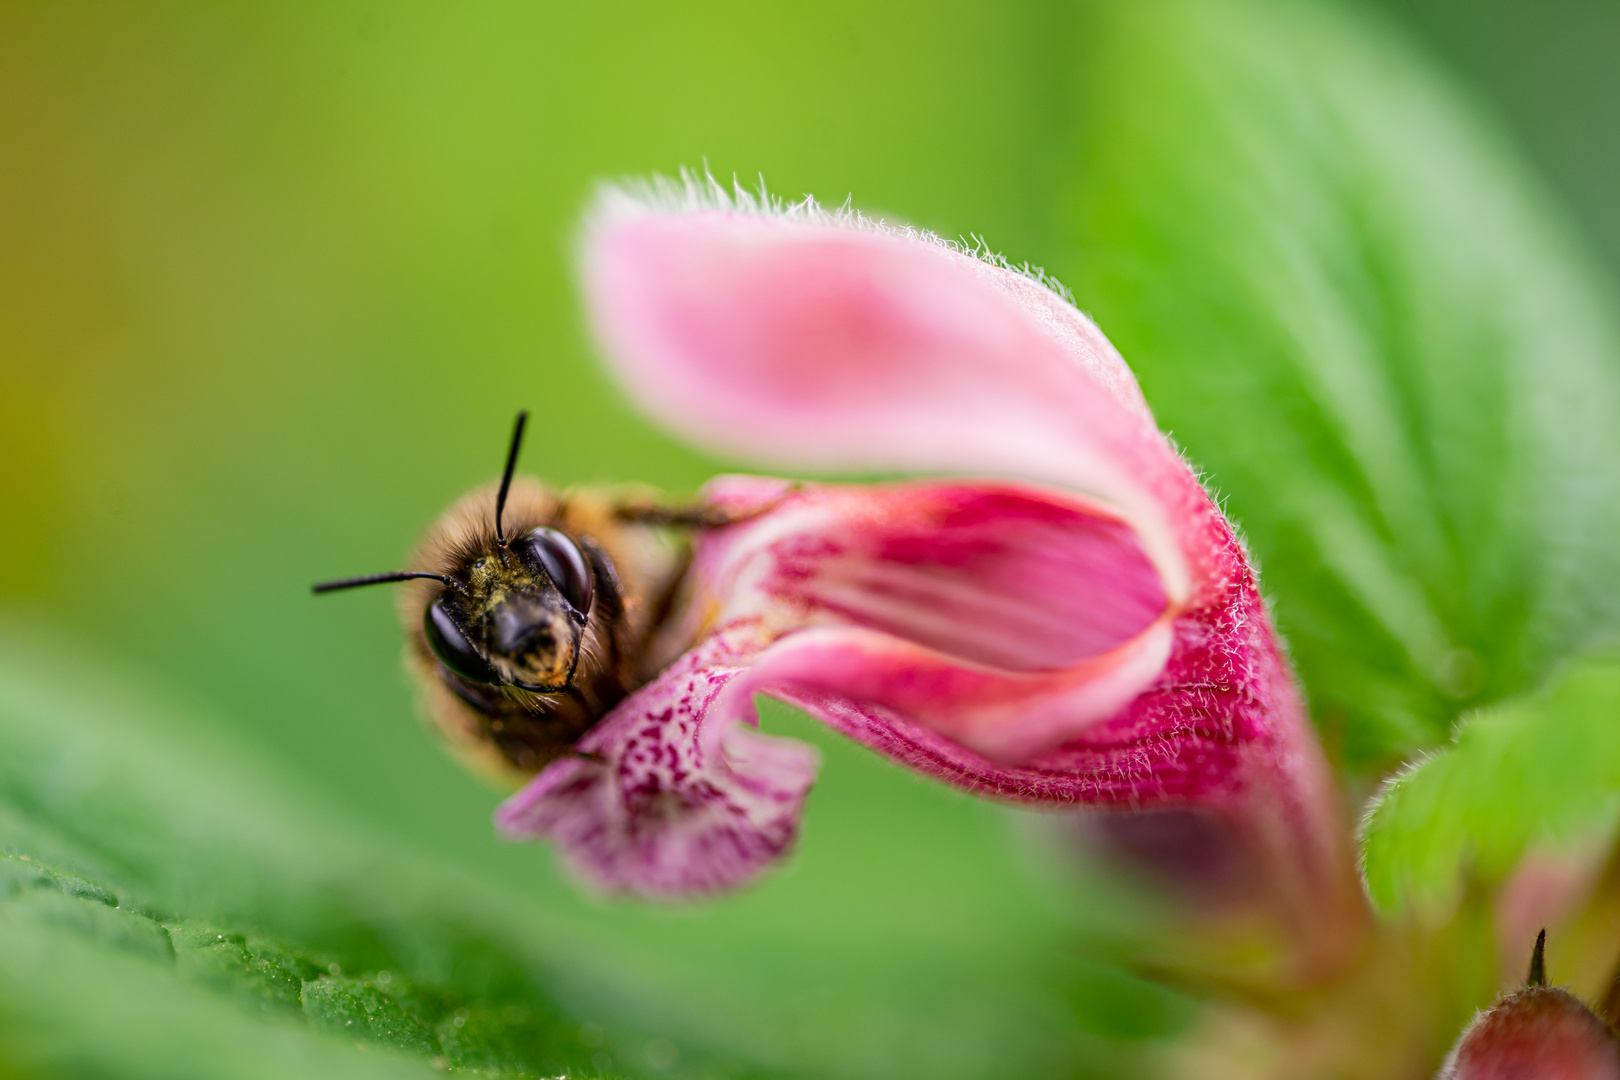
(1065, 619)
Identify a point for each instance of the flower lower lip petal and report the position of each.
(670, 801)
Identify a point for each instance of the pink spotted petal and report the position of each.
(675, 800)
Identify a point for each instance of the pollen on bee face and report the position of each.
(559, 673)
(530, 614)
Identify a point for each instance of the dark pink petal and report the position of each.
(1195, 708)
(1008, 617)
(1018, 561)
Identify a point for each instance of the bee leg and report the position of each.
(663, 601)
(587, 755)
(675, 517)
(694, 516)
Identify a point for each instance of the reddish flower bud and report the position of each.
(1538, 1033)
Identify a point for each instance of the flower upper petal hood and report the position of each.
(808, 342)
(1074, 622)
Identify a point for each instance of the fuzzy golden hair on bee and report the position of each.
(529, 613)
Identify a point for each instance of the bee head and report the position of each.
(515, 614)
(512, 612)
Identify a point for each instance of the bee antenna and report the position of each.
(378, 579)
(506, 477)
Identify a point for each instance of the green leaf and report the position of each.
(1537, 770)
(71, 1006)
(1350, 304)
(169, 910)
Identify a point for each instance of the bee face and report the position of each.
(515, 615)
(518, 649)
(530, 614)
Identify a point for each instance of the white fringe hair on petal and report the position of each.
(692, 191)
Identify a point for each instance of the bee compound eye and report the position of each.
(452, 648)
(562, 560)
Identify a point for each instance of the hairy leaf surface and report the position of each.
(1543, 769)
(1348, 301)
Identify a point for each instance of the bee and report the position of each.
(533, 612)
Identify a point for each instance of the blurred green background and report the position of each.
(274, 279)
